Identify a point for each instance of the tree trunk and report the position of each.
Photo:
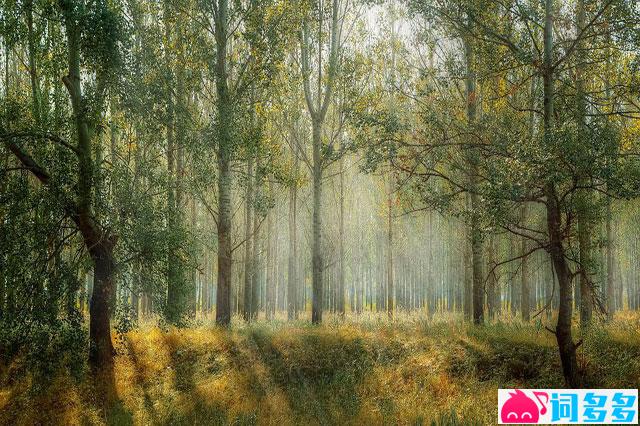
(525, 303)
(563, 328)
(99, 243)
(101, 349)
(390, 277)
(341, 295)
(318, 111)
(249, 269)
(584, 221)
(256, 261)
(271, 277)
(556, 249)
(476, 232)
(492, 281)
(468, 273)
(611, 302)
(33, 74)
(225, 120)
(316, 247)
(292, 284)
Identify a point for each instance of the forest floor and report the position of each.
(366, 371)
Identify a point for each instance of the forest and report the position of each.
(315, 211)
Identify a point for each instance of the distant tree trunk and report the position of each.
(292, 283)
(188, 288)
(225, 121)
(611, 302)
(193, 302)
(584, 220)
(390, 277)
(609, 239)
(33, 74)
(173, 267)
(177, 286)
(492, 281)
(256, 258)
(206, 284)
(586, 296)
(135, 300)
(391, 285)
(468, 274)
(525, 303)
(271, 278)
(249, 269)
(316, 244)
(476, 232)
(3, 289)
(525, 291)
(318, 111)
(341, 294)
(360, 288)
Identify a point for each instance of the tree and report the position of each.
(548, 176)
(317, 109)
(80, 205)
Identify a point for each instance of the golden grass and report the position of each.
(365, 371)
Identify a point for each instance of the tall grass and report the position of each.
(365, 370)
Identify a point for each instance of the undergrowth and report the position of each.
(345, 372)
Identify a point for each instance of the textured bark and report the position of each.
(318, 111)
(525, 291)
(173, 267)
(256, 261)
(492, 281)
(341, 277)
(316, 245)
(101, 349)
(248, 235)
(472, 156)
(468, 273)
(33, 73)
(585, 226)
(611, 302)
(390, 277)
(292, 283)
(586, 291)
(271, 276)
(225, 120)
(565, 310)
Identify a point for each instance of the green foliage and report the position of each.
(103, 35)
(43, 349)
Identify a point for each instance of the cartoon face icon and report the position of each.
(519, 408)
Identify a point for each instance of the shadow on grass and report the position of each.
(185, 362)
(119, 415)
(139, 380)
(612, 362)
(318, 372)
(507, 362)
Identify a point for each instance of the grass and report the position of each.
(365, 371)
